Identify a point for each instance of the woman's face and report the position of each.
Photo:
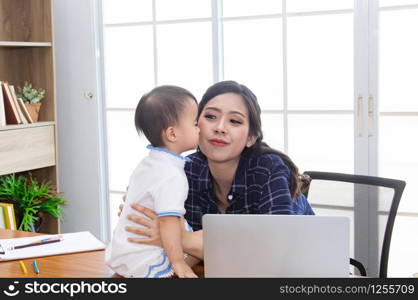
(224, 128)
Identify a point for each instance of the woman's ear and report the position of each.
(251, 141)
(170, 134)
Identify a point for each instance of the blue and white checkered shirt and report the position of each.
(260, 186)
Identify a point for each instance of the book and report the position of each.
(9, 215)
(19, 110)
(12, 116)
(2, 220)
(2, 112)
(69, 243)
(24, 110)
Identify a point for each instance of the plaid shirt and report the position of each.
(260, 186)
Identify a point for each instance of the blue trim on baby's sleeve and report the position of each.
(169, 213)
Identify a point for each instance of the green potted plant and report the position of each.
(30, 199)
(32, 98)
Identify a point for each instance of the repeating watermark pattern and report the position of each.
(86, 288)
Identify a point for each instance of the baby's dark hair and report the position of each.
(160, 109)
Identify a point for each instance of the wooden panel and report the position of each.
(36, 65)
(7, 69)
(26, 54)
(23, 20)
(46, 174)
(49, 225)
(26, 149)
(85, 265)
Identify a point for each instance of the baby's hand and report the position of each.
(183, 270)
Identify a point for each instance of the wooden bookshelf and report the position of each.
(26, 54)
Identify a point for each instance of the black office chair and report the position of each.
(334, 191)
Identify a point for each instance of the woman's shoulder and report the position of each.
(195, 162)
(267, 163)
(196, 158)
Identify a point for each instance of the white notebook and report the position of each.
(70, 243)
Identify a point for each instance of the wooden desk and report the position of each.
(83, 264)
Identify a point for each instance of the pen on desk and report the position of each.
(22, 265)
(38, 243)
(35, 266)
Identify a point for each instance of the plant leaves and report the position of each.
(30, 198)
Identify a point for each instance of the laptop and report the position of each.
(275, 246)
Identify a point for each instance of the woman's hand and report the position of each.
(151, 230)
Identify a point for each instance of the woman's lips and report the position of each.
(218, 143)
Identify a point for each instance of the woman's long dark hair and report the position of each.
(297, 183)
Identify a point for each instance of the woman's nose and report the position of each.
(220, 127)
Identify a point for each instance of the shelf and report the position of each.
(24, 44)
(21, 126)
(27, 55)
(26, 148)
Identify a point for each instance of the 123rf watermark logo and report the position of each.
(71, 289)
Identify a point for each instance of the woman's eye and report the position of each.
(210, 117)
(236, 122)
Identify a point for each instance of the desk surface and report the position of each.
(83, 264)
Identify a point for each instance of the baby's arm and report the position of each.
(170, 230)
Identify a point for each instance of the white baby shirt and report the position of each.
(158, 183)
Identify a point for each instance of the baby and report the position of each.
(167, 116)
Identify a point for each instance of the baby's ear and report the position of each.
(170, 134)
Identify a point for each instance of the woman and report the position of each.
(233, 171)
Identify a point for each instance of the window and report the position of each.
(149, 43)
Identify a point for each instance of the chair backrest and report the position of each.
(365, 201)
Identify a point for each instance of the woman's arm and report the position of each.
(275, 195)
(192, 242)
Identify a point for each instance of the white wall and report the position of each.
(80, 135)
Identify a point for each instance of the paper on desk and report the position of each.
(71, 243)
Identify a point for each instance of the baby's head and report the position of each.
(167, 116)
